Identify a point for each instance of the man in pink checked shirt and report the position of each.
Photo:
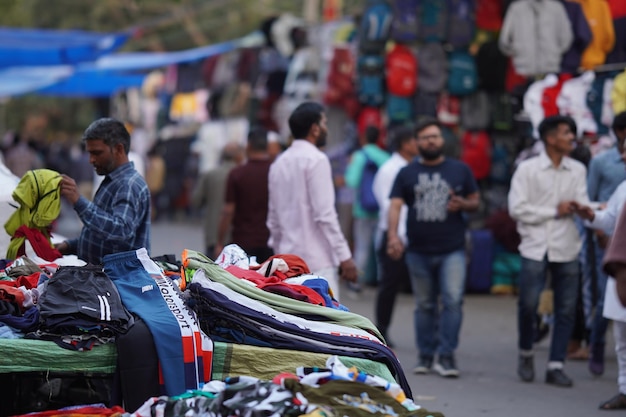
(302, 219)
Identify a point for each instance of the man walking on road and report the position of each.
(437, 190)
(544, 192)
(392, 272)
(302, 219)
(245, 207)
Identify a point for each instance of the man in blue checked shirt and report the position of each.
(118, 218)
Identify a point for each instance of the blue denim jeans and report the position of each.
(532, 281)
(599, 323)
(364, 231)
(435, 280)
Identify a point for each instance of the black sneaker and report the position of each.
(558, 378)
(526, 368)
(424, 365)
(446, 367)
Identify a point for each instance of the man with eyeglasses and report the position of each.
(437, 190)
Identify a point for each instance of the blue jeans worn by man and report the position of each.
(564, 276)
(599, 323)
(437, 331)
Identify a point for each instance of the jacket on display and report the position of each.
(582, 37)
(600, 21)
(39, 197)
(536, 34)
(618, 13)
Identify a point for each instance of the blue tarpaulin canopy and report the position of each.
(39, 47)
(93, 84)
(100, 76)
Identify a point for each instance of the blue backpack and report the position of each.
(463, 75)
(399, 109)
(371, 80)
(461, 22)
(405, 20)
(366, 193)
(375, 27)
(433, 20)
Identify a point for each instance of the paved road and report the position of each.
(487, 356)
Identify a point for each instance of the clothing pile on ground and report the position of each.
(182, 313)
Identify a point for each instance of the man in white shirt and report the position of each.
(301, 218)
(391, 272)
(544, 191)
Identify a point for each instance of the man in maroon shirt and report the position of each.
(246, 201)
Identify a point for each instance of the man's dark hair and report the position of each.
(110, 131)
(257, 139)
(551, 123)
(304, 117)
(619, 122)
(400, 135)
(425, 122)
(372, 133)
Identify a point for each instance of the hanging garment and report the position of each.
(597, 101)
(550, 94)
(185, 353)
(600, 21)
(39, 197)
(536, 34)
(572, 101)
(618, 93)
(607, 115)
(618, 13)
(582, 37)
(533, 99)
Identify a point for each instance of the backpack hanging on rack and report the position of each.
(475, 111)
(462, 76)
(476, 152)
(375, 27)
(405, 24)
(433, 67)
(461, 23)
(401, 71)
(371, 80)
(433, 20)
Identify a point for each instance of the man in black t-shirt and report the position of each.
(437, 191)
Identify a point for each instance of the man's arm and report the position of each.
(469, 203)
(395, 248)
(322, 198)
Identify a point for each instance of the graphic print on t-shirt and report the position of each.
(431, 198)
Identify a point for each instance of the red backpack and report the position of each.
(476, 152)
(340, 85)
(340, 81)
(401, 71)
